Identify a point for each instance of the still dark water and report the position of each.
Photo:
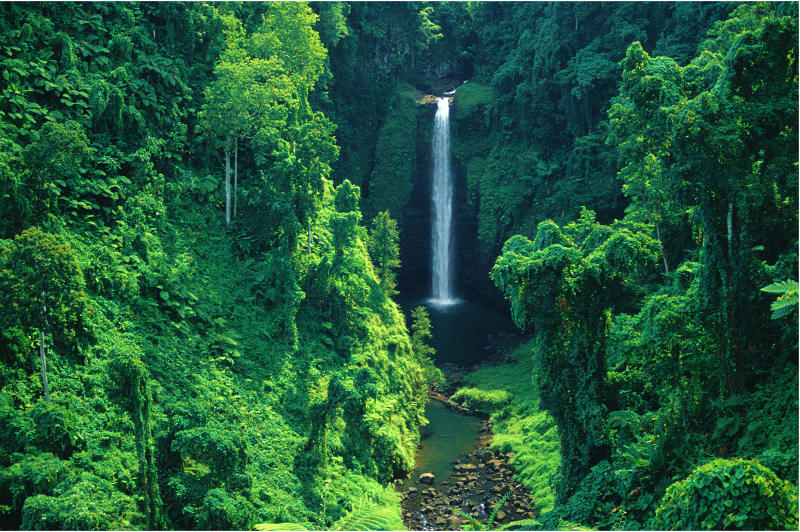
(445, 438)
(461, 330)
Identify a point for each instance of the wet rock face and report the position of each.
(480, 480)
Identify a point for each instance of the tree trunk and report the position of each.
(228, 180)
(42, 358)
(730, 230)
(661, 247)
(308, 243)
(44, 366)
(235, 173)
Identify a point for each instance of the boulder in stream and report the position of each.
(427, 478)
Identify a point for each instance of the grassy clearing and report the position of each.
(520, 426)
(471, 94)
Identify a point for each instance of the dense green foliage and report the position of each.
(530, 128)
(649, 375)
(395, 152)
(565, 284)
(201, 376)
(729, 494)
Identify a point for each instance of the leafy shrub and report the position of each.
(222, 449)
(90, 504)
(107, 273)
(57, 429)
(729, 494)
(40, 278)
(39, 473)
(596, 498)
(482, 400)
(224, 511)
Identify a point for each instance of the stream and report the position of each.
(460, 473)
(457, 474)
(447, 436)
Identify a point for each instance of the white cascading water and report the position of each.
(442, 205)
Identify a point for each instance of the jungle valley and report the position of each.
(399, 265)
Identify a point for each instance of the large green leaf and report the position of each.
(781, 287)
(787, 300)
(371, 517)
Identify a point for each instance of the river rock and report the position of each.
(500, 515)
(412, 489)
(453, 522)
(468, 467)
(495, 463)
(427, 478)
(440, 521)
(485, 454)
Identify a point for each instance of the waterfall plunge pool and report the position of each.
(462, 329)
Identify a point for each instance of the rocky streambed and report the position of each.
(474, 485)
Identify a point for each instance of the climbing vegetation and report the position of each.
(662, 339)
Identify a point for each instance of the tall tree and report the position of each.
(43, 290)
(712, 138)
(385, 250)
(248, 95)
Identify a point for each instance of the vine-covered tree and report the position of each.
(565, 284)
(385, 249)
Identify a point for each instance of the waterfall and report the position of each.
(442, 205)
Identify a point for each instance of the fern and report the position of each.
(371, 517)
(569, 525)
(522, 524)
(787, 300)
(497, 507)
(781, 287)
(474, 523)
